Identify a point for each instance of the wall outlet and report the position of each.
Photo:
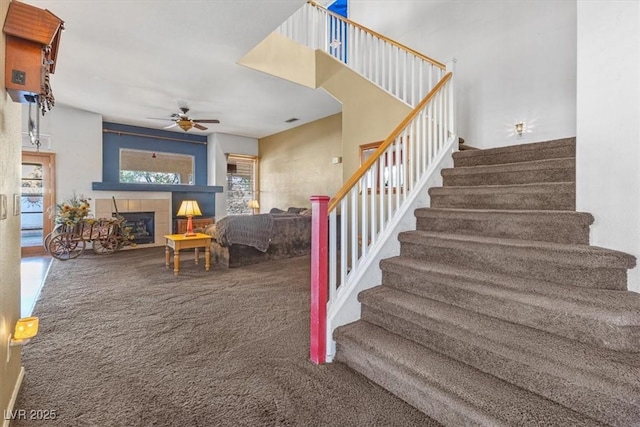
(336, 160)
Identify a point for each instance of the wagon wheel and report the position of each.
(48, 237)
(66, 246)
(106, 245)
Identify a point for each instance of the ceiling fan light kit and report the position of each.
(185, 125)
(185, 122)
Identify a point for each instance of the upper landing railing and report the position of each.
(398, 69)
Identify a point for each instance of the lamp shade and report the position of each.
(189, 208)
(253, 204)
(26, 328)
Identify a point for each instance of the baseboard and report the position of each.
(14, 397)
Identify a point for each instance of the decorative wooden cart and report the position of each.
(106, 235)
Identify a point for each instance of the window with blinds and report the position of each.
(241, 183)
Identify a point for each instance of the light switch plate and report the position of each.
(3, 206)
(17, 205)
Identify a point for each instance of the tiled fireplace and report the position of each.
(158, 208)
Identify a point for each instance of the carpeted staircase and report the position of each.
(497, 312)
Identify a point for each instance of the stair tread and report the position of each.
(587, 301)
(564, 142)
(571, 374)
(480, 396)
(504, 188)
(528, 214)
(596, 256)
(541, 350)
(556, 163)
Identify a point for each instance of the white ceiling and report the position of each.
(131, 60)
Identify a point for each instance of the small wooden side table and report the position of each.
(180, 241)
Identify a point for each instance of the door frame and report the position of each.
(48, 194)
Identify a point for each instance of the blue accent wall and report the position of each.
(151, 140)
(194, 145)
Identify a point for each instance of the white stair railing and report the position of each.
(398, 69)
(363, 215)
(351, 230)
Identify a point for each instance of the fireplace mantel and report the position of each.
(171, 188)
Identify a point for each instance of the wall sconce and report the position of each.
(189, 208)
(26, 328)
(519, 128)
(253, 205)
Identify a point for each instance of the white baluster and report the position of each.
(354, 227)
(344, 216)
(372, 192)
(404, 78)
(364, 214)
(397, 152)
(387, 186)
(405, 153)
(333, 254)
(429, 132)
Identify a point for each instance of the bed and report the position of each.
(240, 240)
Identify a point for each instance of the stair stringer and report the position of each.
(346, 308)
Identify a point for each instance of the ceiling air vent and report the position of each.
(291, 120)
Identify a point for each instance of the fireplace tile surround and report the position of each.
(103, 208)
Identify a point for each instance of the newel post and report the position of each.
(319, 286)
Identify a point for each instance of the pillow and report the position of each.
(210, 230)
(295, 210)
(306, 212)
(276, 211)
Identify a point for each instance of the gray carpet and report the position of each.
(123, 342)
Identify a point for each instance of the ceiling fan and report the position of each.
(185, 122)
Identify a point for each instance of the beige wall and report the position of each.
(369, 114)
(10, 158)
(296, 164)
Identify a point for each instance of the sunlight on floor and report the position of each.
(33, 272)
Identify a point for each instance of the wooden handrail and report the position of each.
(387, 142)
(380, 36)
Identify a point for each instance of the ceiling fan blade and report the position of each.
(159, 118)
(170, 126)
(197, 126)
(206, 120)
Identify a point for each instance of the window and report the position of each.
(242, 185)
(151, 167)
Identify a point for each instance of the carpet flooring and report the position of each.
(123, 342)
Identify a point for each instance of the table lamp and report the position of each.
(189, 208)
(253, 205)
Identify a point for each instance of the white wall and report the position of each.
(516, 60)
(75, 136)
(218, 145)
(608, 124)
(10, 370)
